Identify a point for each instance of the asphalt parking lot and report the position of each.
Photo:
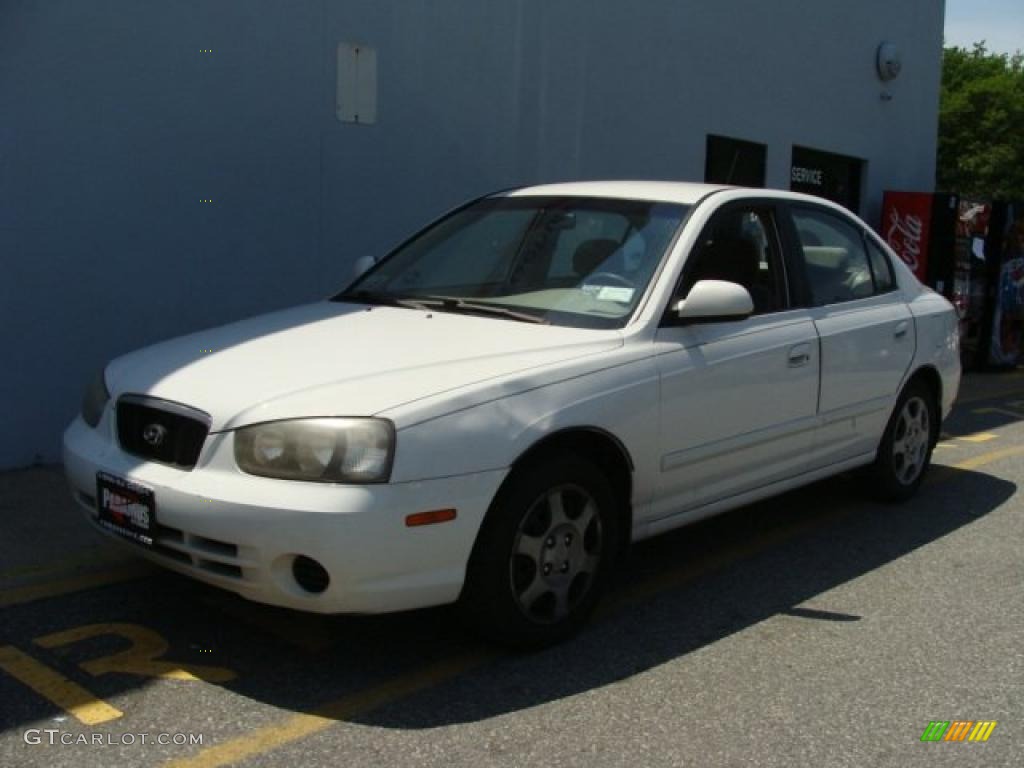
(815, 629)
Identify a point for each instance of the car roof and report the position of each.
(686, 193)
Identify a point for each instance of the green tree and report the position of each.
(981, 124)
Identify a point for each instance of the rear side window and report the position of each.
(881, 268)
(834, 255)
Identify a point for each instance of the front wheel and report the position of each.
(543, 554)
(906, 448)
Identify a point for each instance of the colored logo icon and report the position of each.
(958, 730)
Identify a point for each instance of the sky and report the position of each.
(1000, 23)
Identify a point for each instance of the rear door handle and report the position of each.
(799, 355)
(901, 329)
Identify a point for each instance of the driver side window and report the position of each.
(740, 246)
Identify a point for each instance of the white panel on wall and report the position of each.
(357, 83)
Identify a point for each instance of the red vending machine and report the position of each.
(921, 228)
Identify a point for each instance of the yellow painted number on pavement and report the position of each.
(142, 658)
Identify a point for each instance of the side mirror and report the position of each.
(711, 300)
(362, 264)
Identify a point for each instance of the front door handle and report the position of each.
(799, 355)
(901, 329)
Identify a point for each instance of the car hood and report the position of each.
(338, 359)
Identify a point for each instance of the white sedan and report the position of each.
(492, 412)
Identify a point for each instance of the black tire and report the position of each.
(558, 515)
(906, 448)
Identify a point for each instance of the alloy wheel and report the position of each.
(556, 553)
(911, 440)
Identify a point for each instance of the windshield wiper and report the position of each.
(472, 307)
(443, 303)
(383, 300)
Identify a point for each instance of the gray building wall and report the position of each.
(115, 126)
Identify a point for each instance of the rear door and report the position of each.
(866, 331)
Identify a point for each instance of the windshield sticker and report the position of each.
(617, 293)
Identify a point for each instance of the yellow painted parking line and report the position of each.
(33, 592)
(299, 726)
(978, 437)
(56, 688)
(143, 657)
(946, 440)
(1001, 411)
(989, 458)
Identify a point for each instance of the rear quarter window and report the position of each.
(881, 268)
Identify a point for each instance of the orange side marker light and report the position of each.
(430, 518)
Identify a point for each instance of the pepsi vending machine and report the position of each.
(1005, 326)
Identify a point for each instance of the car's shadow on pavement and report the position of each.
(759, 561)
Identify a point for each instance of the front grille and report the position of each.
(220, 558)
(160, 430)
(198, 551)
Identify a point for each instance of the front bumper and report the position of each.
(242, 533)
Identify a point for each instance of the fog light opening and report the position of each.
(309, 574)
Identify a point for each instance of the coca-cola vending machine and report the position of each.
(921, 228)
(970, 251)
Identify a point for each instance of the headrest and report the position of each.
(832, 257)
(591, 253)
(731, 258)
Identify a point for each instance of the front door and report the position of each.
(739, 397)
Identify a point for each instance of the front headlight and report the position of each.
(322, 450)
(95, 400)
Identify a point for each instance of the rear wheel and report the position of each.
(543, 554)
(906, 448)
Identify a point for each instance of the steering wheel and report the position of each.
(615, 278)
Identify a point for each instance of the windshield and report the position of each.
(567, 261)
